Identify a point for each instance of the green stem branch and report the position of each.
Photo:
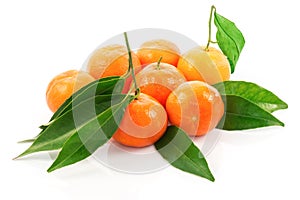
(212, 10)
(131, 68)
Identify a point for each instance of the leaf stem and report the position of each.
(131, 68)
(212, 10)
(158, 63)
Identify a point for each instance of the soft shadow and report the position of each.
(248, 137)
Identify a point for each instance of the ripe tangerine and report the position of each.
(144, 122)
(62, 86)
(209, 66)
(196, 107)
(152, 50)
(110, 60)
(159, 80)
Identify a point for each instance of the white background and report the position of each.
(39, 39)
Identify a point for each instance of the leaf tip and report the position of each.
(26, 141)
(212, 178)
(55, 165)
(52, 168)
(279, 123)
(209, 176)
(15, 158)
(21, 155)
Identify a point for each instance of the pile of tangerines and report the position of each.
(174, 88)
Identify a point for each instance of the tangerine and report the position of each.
(159, 80)
(196, 107)
(152, 50)
(144, 122)
(209, 65)
(111, 60)
(62, 86)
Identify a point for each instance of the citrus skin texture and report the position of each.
(221, 62)
(196, 107)
(111, 60)
(152, 50)
(159, 81)
(62, 86)
(210, 66)
(144, 122)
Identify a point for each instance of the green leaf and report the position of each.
(101, 86)
(243, 114)
(252, 92)
(108, 85)
(91, 135)
(229, 38)
(63, 127)
(179, 150)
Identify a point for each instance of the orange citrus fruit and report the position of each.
(111, 60)
(159, 80)
(221, 61)
(196, 107)
(144, 122)
(62, 86)
(209, 65)
(152, 50)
